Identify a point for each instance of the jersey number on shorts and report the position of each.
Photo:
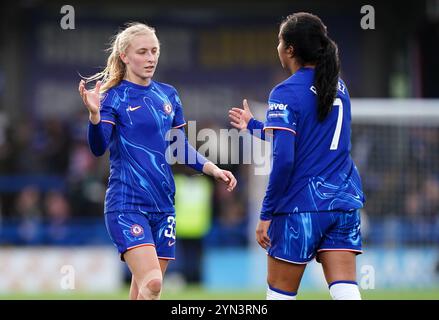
(336, 137)
(170, 230)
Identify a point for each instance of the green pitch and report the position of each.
(198, 293)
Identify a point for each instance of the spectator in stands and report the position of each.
(57, 210)
(55, 146)
(28, 211)
(86, 185)
(424, 201)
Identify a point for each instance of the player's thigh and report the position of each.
(284, 275)
(338, 265)
(143, 263)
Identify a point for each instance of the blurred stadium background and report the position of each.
(52, 188)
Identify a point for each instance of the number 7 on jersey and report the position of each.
(336, 137)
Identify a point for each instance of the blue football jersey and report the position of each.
(140, 177)
(325, 177)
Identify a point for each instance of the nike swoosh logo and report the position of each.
(133, 109)
(171, 243)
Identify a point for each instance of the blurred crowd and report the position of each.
(55, 167)
(399, 166)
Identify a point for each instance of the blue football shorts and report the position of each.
(129, 230)
(298, 237)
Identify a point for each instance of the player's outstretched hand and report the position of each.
(226, 177)
(91, 98)
(220, 175)
(240, 117)
(262, 233)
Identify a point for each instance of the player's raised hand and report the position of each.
(91, 98)
(262, 233)
(240, 117)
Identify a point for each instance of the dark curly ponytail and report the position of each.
(307, 34)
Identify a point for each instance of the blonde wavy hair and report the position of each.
(115, 70)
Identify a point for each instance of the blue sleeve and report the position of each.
(178, 120)
(187, 154)
(283, 109)
(256, 128)
(281, 171)
(99, 136)
(108, 113)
